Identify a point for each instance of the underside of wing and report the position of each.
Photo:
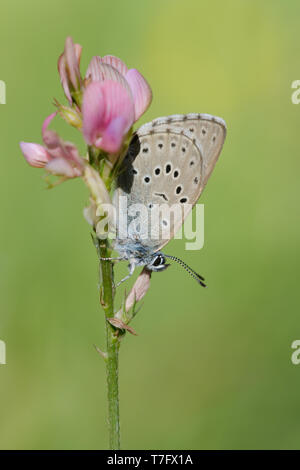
(210, 132)
(163, 172)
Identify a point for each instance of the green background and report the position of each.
(210, 368)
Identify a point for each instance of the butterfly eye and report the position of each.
(158, 260)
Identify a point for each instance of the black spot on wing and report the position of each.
(162, 195)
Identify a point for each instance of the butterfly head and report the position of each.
(158, 262)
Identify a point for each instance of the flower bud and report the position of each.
(70, 115)
(36, 155)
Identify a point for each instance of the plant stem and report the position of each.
(107, 302)
(112, 344)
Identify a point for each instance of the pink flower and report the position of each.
(112, 68)
(107, 115)
(139, 289)
(57, 157)
(113, 96)
(35, 154)
(68, 68)
(114, 99)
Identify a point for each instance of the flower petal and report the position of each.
(99, 72)
(96, 186)
(61, 65)
(108, 114)
(141, 91)
(68, 67)
(72, 57)
(116, 63)
(139, 289)
(117, 103)
(89, 213)
(78, 50)
(112, 137)
(58, 150)
(61, 167)
(36, 155)
(50, 138)
(93, 111)
(71, 153)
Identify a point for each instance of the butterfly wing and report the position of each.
(166, 165)
(210, 131)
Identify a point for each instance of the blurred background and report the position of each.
(209, 369)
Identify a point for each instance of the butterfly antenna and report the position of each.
(193, 273)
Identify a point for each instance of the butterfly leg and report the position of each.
(131, 270)
(119, 258)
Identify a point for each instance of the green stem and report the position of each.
(112, 344)
(98, 160)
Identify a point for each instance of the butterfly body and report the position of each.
(167, 165)
(140, 255)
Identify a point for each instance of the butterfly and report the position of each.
(169, 161)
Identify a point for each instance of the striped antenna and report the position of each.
(193, 273)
